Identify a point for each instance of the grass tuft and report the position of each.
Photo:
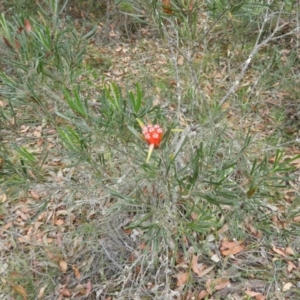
(88, 211)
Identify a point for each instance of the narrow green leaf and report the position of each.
(90, 33)
(138, 135)
(75, 102)
(26, 155)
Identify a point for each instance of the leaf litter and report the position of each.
(32, 223)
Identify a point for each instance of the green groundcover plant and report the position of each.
(132, 166)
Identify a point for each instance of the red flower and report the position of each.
(153, 134)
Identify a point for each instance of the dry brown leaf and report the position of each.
(228, 245)
(278, 251)
(167, 6)
(142, 246)
(250, 293)
(37, 225)
(260, 297)
(1, 166)
(3, 198)
(291, 266)
(62, 212)
(225, 105)
(296, 163)
(216, 284)
(24, 239)
(230, 248)
(40, 142)
(289, 251)
(202, 295)
(209, 286)
(47, 240)
(185, 240)
(3, 103)
(59, 239)
(43, 216)
(218, 75)
(297, 219)
(76, 272)
(31, 174)
(42, 291)
(287, 287)
(63, 266)
(37, 134)
(88, 288)
(195, 267)
(17, 44)
(117, 72)
(220, 283)
(206, 271)
(19, 289)
(59, 222)
(194, 216)
(27, 25)
(65, 292)
(54, 258)
(79, 289)
(253, 230)
(5, 227)
(23, 216)
(24, 128)
(112, 33)
(182, 278)
(180, 60)
(7, 43)
(233, 251)
(223, 229)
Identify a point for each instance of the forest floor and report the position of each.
(214, 213)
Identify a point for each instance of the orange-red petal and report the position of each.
(153, 134)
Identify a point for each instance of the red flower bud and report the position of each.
(153, 134)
